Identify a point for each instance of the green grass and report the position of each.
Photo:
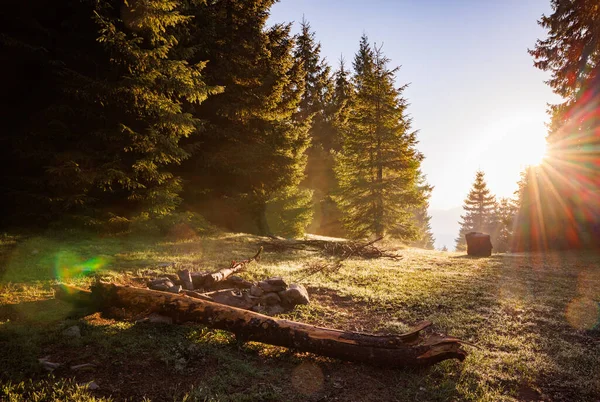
(534, 317)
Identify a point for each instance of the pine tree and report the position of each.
(504, 220)
(479, 211)
(422, 218)
(342, 97)
(103, 140)
(573, 25)
(318, 83)
(251, 157)
(151, 95)
(378, 165)
(425, 238)
(569, 178)
(529, 228)
(571, 54)
(318, 106)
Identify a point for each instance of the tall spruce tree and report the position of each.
(342, 97)
(246, 167)
(421, 218)
(378, 166)
(504, 220)
(318, 83)
(317, 105)
(338, 111)
(571, 53)
(105, 131)
(529, 228)
(479, 211)
(563, 192)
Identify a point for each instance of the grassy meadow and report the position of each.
(533, 316)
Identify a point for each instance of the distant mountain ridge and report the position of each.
(445, 226)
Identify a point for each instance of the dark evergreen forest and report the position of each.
(141, 115)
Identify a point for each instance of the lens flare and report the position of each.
(69, 265)
(307, 378)
(583, 313)
(588, 283)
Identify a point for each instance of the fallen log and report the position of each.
(408, 350)
(208, 280)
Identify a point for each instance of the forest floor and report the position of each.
(533, 316)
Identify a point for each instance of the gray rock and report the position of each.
(256, 291)
(232, 298)
(162, 284)
(48, 365)
(156, 281)
(239, 282)
(276, 284)
(84, 366)
(173, 278)
(198, 279)
(72, 332)
(93, 386)
(270, 299)
(295, 294)
(274, 310)
(186, 279)
(175, 289)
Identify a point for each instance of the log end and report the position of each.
(438, 348)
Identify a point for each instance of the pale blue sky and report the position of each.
(474, 94)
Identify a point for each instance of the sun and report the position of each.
(535, 150)
(519, 140)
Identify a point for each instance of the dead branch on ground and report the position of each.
(412, 349)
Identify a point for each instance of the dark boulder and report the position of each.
(478, 244)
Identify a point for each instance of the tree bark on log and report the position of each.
(408, 350)
(209, 280)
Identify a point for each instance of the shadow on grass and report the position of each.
(46, 258)
(173, 362)
(40, 312)
(475, 257)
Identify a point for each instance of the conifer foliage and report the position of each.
(424, 236)
(504, 224)
(113, 110)
(320, 108)
(378, 166)
(152, 92)
(124, 112)
(249, 161)
(547, 218)
(479, 209)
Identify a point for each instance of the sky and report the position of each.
(475, 97)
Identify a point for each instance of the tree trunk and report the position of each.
(408, 350)
(261, 219)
